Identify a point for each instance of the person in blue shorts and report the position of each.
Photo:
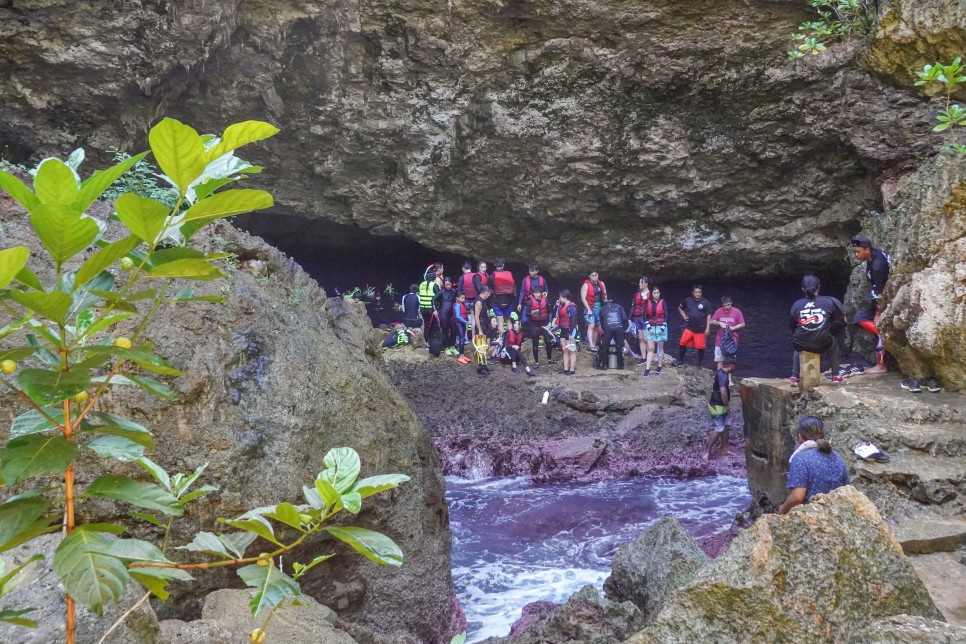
(655, 330)
(593, 292)
(814, 468)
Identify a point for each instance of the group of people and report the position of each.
(495, 316)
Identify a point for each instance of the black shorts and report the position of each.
(866, 312)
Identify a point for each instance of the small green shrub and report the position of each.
(836, 19)
(947, 78)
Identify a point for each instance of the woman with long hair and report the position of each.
(814, 468)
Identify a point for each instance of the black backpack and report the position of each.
(729, 345)
(434, 336)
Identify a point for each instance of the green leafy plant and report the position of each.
(947, 79)
(836, 19)
(62, 348)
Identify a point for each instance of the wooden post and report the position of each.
(810, 375)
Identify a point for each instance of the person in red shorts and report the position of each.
(696, 313)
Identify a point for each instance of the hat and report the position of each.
(810, 283)
(861, 241)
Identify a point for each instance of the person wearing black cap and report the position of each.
(816, 322)
(877, 270)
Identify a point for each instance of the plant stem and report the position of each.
(120, 620)
(69, 520)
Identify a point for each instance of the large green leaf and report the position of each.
(18, 190)
(129, 550)
(143, 216)
(147, 383)
(256, 525)
(26, 456)
(374, 484)
(53, 306)
(237, 542)
(157, 579)
(63, 231)
(189, 269)
(144, 359)
(117, 447)
(143, 495)
(97, 183)
(369, 543)
(287, 514)
(228, 203)
(15, 616)
(209, 543)
(104, 258)
(33, 422)
(157, 472)
(12, 261)
(55, 183)
(179, 151)
(342, 466)
(114, 425)
(239, 134)
(90, 578)
(28, 278)
(21, 519)
(48, 387)
(271, 586)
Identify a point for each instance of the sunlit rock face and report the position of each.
(673, 138)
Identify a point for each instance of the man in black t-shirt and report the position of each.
(817, 322)
(877, 271)
(696, 313)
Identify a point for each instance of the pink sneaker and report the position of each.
(793, 381)
(837, 379)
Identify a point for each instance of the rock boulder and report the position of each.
(648, 570)
(826, 572)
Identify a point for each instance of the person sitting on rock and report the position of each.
(512, 351)
(719, 407)
(877, 271)
(814, 467)
(567, 321)
(817, 323)
(410, 308)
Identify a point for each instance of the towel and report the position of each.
(809, 444)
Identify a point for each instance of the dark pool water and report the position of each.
(515, 542)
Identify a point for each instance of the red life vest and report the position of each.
(503, 283)
(638, 309)
(460, 311)
(514, 338)
(655, 317)
(591, 298)
(538, 309)
(528, 285)
(564, 319)
(466, 285)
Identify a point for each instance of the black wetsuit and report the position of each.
(410, 309)
(614, 320)
(443, 303)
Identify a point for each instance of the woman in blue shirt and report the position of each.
(815, 468)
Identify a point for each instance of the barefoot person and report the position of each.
(567, 321)
(814, 468)
(877, 271)
(655, 330)
(720, 412)
(638, 305)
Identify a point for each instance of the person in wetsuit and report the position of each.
(536, 311)
(410, 308)
(877, 271)
(481, 322)
(613, 319)
(443, 303)
(461, 318)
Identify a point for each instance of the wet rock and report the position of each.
(398, 118)
(226, 615)
(827, 571)
(586, 617)
(43, 591)
(274, 378)
(649, 570)
(531, 613)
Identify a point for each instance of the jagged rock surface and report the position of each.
(647, 571)
(672, 135)
(825, 572)
(274, 378)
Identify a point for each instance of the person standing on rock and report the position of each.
(480, 318)
(817, 322)
(481, 278)
(638, 316)
(614, 321)
(410, 308)
(814, 467)
(427, 292)
(528, 286)
(466, 286)
(593, 292)
(726, 317)
(877, 271)
(504, 292)
(536, 312)
(696, 313)
(461, 319)
(443, 303)
(719, 407)
(655, 330)
(567, 321)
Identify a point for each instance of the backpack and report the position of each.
(729, 346)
